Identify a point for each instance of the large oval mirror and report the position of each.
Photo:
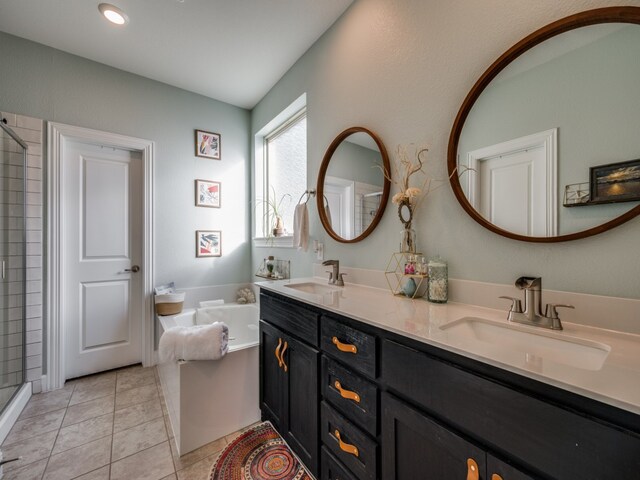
(353, 190)
(545, 147)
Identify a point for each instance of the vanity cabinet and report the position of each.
(289, 388)
(394, 408)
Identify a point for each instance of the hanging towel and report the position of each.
(201, 342)
(301, 227)
(328, 213)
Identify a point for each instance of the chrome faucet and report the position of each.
(532, 314)
(335, 277)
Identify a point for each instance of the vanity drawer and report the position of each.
(291, 317)
(351, 394)
(539, 435)
(332, 469)
(353, 347)
(361, 462)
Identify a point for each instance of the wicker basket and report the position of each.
(169, 304)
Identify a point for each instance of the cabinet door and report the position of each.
(272, 395)
(499, 470)
(300, 380)
(415, 446)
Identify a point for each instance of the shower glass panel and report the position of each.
(13, 156)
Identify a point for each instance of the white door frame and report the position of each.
(548, 140)
(57, 133)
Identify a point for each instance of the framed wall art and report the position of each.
(207, 193)
(615, 182)
(208, 243)
(208, 144)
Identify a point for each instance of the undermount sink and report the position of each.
(311, 287)
(511, 342)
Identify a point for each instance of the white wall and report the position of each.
(46, 83)
(402, 69)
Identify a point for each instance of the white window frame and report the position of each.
(280, 124)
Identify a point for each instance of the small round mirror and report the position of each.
(353, 188)
(405, 214)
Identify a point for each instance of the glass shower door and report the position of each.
(13, 153)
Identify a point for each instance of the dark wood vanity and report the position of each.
(356, 402)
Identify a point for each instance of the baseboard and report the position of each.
(14, 409)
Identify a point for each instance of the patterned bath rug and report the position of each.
(258, 454)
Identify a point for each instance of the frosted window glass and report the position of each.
(287, 169)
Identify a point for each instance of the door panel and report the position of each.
(271, 387)
(102, 303)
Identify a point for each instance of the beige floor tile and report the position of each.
(151, 464)
(31, 427)
(199, 470)
(167, 423)
(83, 432)
(93, 408)
(136, 414)
(138, 438)
(196, 455)
(100, 474)
(84, 394)
(46, 402)
(232, 436)
(95, 381)
(172, 477)
(33, 471)
(135, 377)
(79, 460)
(136, 395)
(31, 450)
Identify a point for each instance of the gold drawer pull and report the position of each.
(345, 447)
(495, 476)
(344, 347)
(472, 470)
(278, 352)
(284, 349)
(346, 393)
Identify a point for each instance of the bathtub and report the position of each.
(209, 399)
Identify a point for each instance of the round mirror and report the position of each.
(405, 213)
(545, 147)
(353, 190)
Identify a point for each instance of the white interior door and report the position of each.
(340, 197)
(102, 220)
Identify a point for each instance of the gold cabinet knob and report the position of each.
(284, 349)
(344, 347)
(345, 447)
(472, 470)
(278, 352)
(346, 393)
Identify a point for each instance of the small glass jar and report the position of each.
(408, 240)
(270, 264)
(438, 282)
(422, 266)
(410, 266)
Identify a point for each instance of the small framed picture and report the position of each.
(615, 182)
(208, 243)
(207, 193)
(208, 144)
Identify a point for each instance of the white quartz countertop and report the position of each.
(616, 382)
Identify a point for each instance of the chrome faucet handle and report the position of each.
(552, 312)
(340, 280)
(516, 304)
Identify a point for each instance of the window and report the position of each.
(281, 171)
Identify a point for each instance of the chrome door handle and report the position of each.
(134, 269)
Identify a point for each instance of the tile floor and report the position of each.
(112, 425)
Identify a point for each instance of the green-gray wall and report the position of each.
(403, 69)
(46, 83)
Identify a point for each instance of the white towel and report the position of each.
(301, 227)
(200, 342)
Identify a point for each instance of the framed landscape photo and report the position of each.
(207, 193)
(615, 182)
(208, 144)
(208, 243)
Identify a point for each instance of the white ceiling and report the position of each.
(230, 50)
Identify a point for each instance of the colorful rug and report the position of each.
(258, 454)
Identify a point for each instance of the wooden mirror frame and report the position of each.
(590, 17)
(323, 172)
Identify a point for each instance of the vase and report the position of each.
(278, 228)
(438, 283)
(408, 240)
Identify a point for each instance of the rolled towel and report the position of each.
(301, 227)
(200, 342)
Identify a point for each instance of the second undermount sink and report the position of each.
(515, 343)
(311, 287)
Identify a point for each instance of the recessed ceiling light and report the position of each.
(113, 14)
